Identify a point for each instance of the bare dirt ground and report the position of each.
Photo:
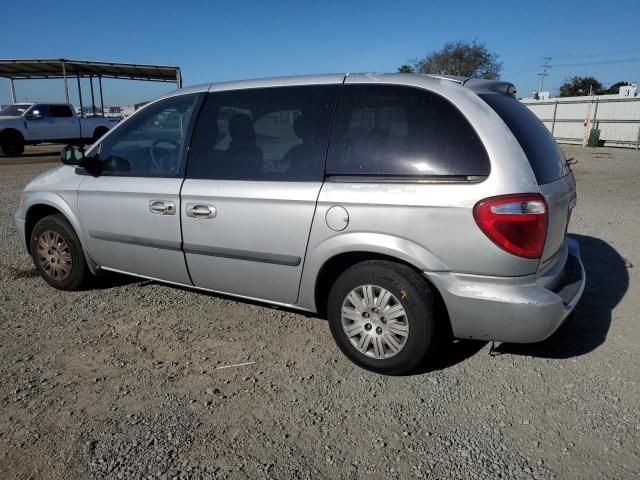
(122, 380)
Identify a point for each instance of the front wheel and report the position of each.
(381, 315)
(57, 253)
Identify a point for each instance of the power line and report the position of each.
(601, 62)
(604, 54)
(516, 71)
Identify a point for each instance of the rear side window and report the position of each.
(547, 160)
(392, 130)
(263, 134)
(61, 111)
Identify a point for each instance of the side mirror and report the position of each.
(34, 115)
(72, 155)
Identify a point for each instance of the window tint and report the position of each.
(546, 158)
(61, 111)
(41, 109)
(150, 142)
(271, 134)
(391, 130)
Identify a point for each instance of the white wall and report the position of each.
(618, 118)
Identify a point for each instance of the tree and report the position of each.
(406, 68)
(615, 88)
(580, 86)
(458, 58)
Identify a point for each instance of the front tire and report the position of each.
(57, 253)
(382, 317)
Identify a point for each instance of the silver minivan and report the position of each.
(403, 208)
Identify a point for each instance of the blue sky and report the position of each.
(215, 41)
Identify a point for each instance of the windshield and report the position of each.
(14, 110)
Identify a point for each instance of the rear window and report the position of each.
(61, 111)
(546, 158)
(398, 131)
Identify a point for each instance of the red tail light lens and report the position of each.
(516, 223)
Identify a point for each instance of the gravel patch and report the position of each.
(123, 380)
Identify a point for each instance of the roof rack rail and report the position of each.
(451, 78)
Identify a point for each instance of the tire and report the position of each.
(99, 132)
(408, 291)
(12, 144)
(57, 253)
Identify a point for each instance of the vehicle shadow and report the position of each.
(55, 151)
(586, 329)
(109, 280)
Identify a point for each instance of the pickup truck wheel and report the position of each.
(12, 144)
(381, 315)
(99, 132)
(57, 253)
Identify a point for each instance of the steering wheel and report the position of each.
(158, 157)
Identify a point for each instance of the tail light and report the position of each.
(516, 223)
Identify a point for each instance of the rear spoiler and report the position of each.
(481, 86)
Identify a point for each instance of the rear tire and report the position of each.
(98, 133)
(382, 317)
(12, 144)
(57, 253)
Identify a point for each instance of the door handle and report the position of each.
(162, 207)
(200, 210)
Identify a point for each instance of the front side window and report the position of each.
(40, 111)
(268, 134)
(150, 143)
(398, 131)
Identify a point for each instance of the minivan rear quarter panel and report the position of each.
(428, 224)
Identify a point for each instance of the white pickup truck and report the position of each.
(32, 123)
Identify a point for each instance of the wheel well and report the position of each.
(34, 214)
(333, 267)
(99, 131)
(11, 131)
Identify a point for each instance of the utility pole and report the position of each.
(545, 68)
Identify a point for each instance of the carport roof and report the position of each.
(58, 68)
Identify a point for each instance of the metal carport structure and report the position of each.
(64, 69)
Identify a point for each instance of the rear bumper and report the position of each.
(512, 309)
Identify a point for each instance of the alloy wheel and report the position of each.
(54, 255)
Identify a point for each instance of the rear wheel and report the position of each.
(381, 315)
(57, 253)
(12, 144)
(98, 133)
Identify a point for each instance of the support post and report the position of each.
(638, 140)
(93, 100)
(80, 95)
(587, 121)
(13, 91)
(178, 79)
(553, 122)
(66, 87)
(101, 99)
